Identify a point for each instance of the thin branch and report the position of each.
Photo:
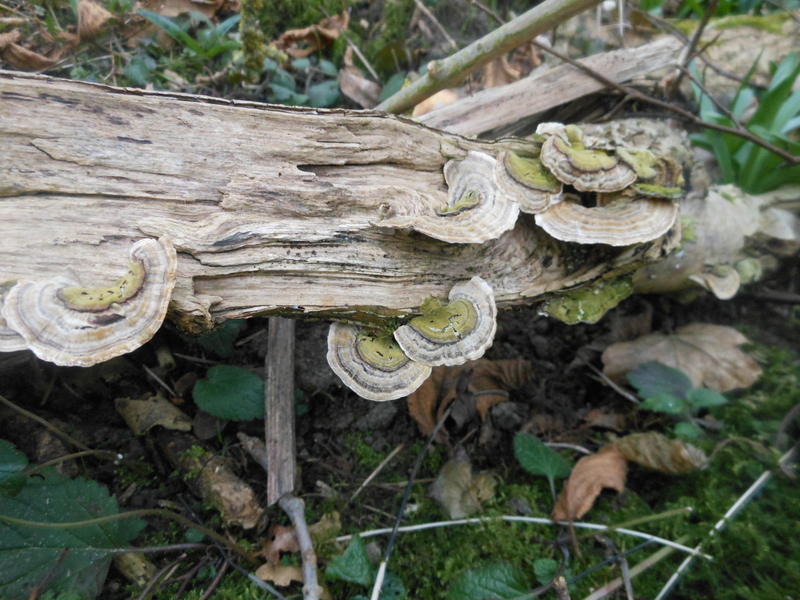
(425, 11)
(60, 434)
(448, 71)
(377, 470)
(740, 503)
(296, 508)
(689, 51)
(637, 95)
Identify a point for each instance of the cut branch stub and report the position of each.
(372, 365)
(455, 333)
(476, 210)
(81, 326)
(621, 222)
(526, 180)
(587, 170)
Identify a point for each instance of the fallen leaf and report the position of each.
(22, 58)
(439, 99)
(605, 469)
(498, 72)
(173, 8)
(327, 528)
(655, 451)
(299, 43)
(598, 418)
(458, 491)
(280, 539)
(144, 414)
(280, 575)
(354, 85)
(708, 354)
(487, 385)
(92, 17)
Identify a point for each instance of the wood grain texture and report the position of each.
(279, 405)
(273, 210)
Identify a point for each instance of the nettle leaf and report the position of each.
(665, 403)
(12, 462)
(653, 379)
(76, 558)
(705, 398)
(538, 459)
(230, 393)
(494, 581)
(352, 566)
(545, 569)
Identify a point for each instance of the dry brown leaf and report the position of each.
(173, 8)
(327, 528)
(280, 539)
(313, 37)
(91, 19)
(354, 85)
(498, 72)
(605, 469)
(708, 354)
(439, 99)
(141, 415)
(22, 58)
(599, 418)
(655, 451)
(280, 575)
(488, 384)
(458, 491)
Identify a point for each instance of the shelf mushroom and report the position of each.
(621, 222)
(71, 325)
(372, 365)
(452, 334)
(525, 179)
(656, 176)
(476, 209)
(587, 170)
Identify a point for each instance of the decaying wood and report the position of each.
(507, 104)
(273, 210)
(279, 403)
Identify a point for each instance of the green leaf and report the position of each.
(705, 398)
(328, 68)
(653, 379)
(301, 64)
(392, 588)
(352, 566)
(665, 403)
(545, 569)
(230, 393)
(12, 462)
(172, 29)
(77, 558)
(282, 78)
(493, 581)
(687, 431)
(392, 86)
(538, 459)
(324, 94)
(282, 95)
(220, 339)
(139, 70)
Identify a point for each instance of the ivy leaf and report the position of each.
(665, 403)
(12, 462)
(705, 398)
(493, 581)
(538, 459)
(352, 566)
(231, 393)
(323, 94)
(72, 559)
(653, 379)
(220, 339)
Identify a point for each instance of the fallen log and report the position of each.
(272, 209)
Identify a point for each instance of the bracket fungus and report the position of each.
(71, 325)
(476, 210)
(586, 169)
(526, 180)
(371, 365)
(454, 333)
(620, 222)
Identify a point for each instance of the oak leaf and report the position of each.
(605, 469)
(708, 354)
(281, 539)
(280, 575)
(314, 37)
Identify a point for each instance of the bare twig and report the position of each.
(446, 72)
(425, 11)
(58, 433)
(641, 96)
(295, 508)
(688, 54)
(215, 582)
(613, 385)
(377, 470)
(740, 503)
(255, 448)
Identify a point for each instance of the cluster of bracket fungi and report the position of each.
(579, 192)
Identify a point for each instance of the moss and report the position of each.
(366, 456)
(253, 40)
(589, 303)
